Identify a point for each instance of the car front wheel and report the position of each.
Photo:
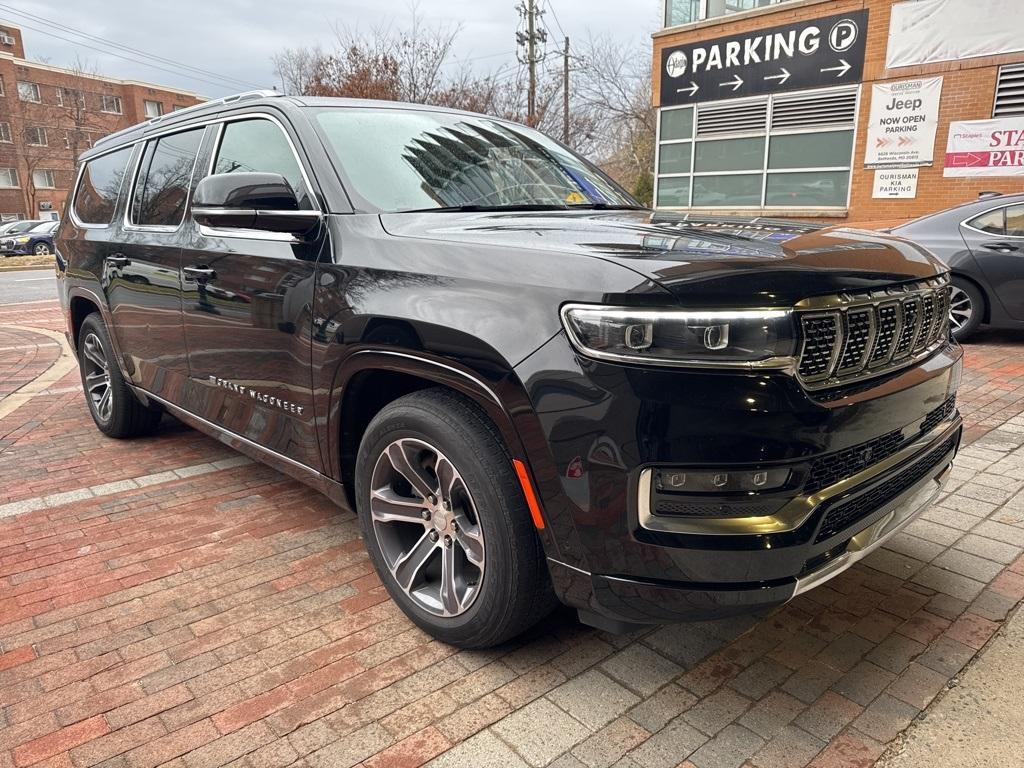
(966, 307)
(41, 249)
(446, 524)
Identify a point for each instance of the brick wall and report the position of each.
(70, 128)
(968, 91)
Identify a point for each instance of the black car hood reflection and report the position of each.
(710, 259)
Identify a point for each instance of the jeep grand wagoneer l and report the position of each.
(527, 386)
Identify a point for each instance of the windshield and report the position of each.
(44, 228)
(22, 226)
(407, 160)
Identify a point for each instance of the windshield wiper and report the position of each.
(474, 208)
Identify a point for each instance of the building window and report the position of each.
(687, 11)
(6, 218)
(153, 108)
(782, 151)
(35, 137)
(2, 91)
(60, 97)
(8, 178)
(43, 179)
(5, 133)
(112, 104)
(1009, 91)
(28, 91)
(176, 107)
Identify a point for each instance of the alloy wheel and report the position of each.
(961, 309)
(42, 249)
(97, 377)
(427, 527)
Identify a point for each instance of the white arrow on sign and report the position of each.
(842, 69)
(781, 78)
(735, 83)
(691, 90)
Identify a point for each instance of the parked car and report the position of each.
(524, 384)
(38, 240)
(18, 226)
(983, 244)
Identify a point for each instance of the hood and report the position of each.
(710, 260)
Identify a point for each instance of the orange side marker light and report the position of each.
(531, 497)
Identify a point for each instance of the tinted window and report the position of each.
(1015, 220)
(259, 145)
(991, 222)
(161, 188)
(97, 191)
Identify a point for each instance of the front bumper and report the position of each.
(645, 601)
(608, 426)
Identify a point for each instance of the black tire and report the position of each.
(125, 416)
(966, 326)
(514, 591)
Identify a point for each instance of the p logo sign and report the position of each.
(843, 35)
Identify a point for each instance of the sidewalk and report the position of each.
(980, 722)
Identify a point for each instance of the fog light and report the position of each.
(676, 481)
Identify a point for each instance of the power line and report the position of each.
(179, 68)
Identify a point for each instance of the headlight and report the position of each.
(22, 239)
(682, 337)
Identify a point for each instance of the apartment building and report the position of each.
(49, 115)
(841, 110)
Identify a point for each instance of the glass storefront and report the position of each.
(781, 151)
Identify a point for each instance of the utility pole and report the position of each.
(530, 11)
(565, 94)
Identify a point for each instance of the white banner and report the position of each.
(924, 31)
(902, 124)
(986, 148)
(896, 184)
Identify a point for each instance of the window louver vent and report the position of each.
(750, 116)
(1010, 91)
(815, 110)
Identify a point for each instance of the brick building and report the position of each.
(49, 115)
(766, 105)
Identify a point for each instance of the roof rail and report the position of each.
(236, 97)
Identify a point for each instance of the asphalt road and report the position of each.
(27, 285)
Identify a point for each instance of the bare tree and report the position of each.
(296, 67)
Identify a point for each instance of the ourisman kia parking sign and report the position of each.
(807, 54)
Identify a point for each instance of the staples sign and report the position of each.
(986, 148)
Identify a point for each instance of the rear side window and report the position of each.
(1015, 221)
(991, 222)
(261, 146)
(98, 188)
(161, 188)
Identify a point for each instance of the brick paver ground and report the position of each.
(169, 602)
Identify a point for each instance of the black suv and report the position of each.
(527, 386)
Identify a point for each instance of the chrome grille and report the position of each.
(854, 337)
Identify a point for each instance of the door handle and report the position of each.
(1001, 247)
(118, 260)
(200, 273)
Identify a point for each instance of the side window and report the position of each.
(96, 196)
(991, 222)
(1015, 221)
(161, 188)
(259, 145)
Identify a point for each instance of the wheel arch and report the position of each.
(986, 316)
(371, 379)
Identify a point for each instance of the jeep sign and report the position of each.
(808, 54)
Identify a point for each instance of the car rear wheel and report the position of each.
(41, 249)
(446, 524)
(114, 408)
(966, 308)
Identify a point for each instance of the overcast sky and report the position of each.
(235, 38)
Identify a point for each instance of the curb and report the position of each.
(20, 268)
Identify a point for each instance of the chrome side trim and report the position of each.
(796, 512)
(206, 425)
(907, 507)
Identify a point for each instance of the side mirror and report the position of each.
(261, 201)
